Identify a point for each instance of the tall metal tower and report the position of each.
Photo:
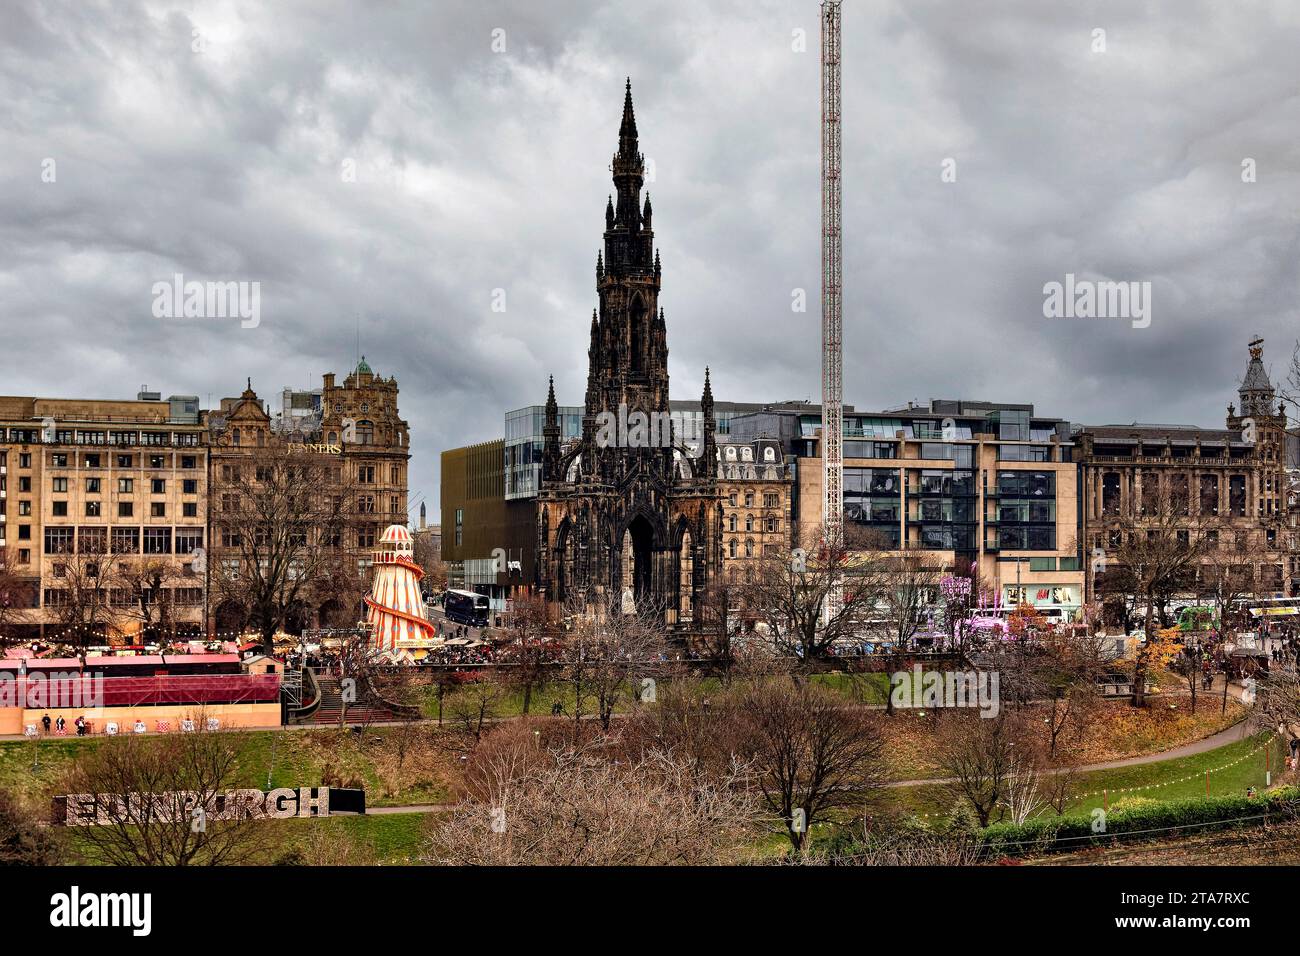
(832, 276)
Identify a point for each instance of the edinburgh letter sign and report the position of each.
(98, 809)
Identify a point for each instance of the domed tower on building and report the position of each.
(396, 607)
(1262, 421)
(628, 514)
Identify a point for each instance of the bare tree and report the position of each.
(977, 755)
(476, 703)
(284, 527)
(157, 800)
(79, 596)
(910, 586)
(713, 640)
(24, 840)
(1060, 784)
(575, 807)
(809, 754)
(368, 679)
(959, 594)
(143, 590)
(331, 846)
(1024, 790)
(429, 557)
(1227, 576)
(1157, 558)
(695, 725)
(1278, 700)
(1066, 672)
(530, 649)
(790, 590)
(607, 656)
(1228, 580)
(16, 596)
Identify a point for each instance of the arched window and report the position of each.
(731, 523)
(749, 522)
(731, 548)
(749, 549)
(637, 321)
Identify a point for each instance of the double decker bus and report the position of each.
(466, 607)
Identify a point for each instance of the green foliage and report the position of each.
(1048, 834)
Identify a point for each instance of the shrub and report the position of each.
(1056, 834)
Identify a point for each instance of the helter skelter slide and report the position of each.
(397, 613)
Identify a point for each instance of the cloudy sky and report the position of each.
(217, 140)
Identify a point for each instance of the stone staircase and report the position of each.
(364, 711)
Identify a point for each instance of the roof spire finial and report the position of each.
(627, 129)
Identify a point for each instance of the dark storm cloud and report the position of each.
(479, 170)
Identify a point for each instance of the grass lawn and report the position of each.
(1178, 779)
(509, 700)
(267, 759)
(390, 839)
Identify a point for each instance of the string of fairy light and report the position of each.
(76, 634)
(66, 632)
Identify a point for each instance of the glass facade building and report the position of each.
(523, 445)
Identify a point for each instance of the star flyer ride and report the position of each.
(397, 614)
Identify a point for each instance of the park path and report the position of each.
(1239, 731)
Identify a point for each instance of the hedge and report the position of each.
(1057, 834)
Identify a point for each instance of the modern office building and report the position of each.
(985, 488)
(488, 541)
